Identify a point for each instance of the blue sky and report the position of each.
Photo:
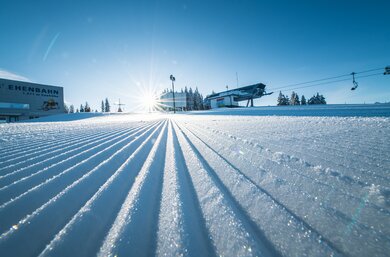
(115, 49)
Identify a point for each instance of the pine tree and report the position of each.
(297, 101)
(190, 99)
(286, 100)
(87, 108)
(201, 102)
(303, 100)
(317, 99)
(322, 99)
(294, 99)
(107, 107)
(71, 108)
(102, 106)
(81, 108)
(196, 99)
(312, 100)
(282, 99)
(187, 98)
(66, 108)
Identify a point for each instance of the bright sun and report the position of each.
(148, 100)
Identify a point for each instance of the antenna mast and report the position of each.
(237, 78)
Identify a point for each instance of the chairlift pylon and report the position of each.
(119, 105)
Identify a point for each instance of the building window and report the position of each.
(221, 102)
(18, 106)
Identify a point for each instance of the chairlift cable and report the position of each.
(330, 82)
(307, 82)
(324, 79)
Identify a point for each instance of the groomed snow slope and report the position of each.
(133, 185)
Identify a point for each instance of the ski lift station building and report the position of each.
(166, 101)
(21, 100)
(231, 98)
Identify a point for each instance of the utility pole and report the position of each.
(173, 92)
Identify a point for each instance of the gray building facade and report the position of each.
(21, 100)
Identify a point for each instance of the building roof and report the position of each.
(243, 93)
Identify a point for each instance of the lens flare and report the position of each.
(148, 100)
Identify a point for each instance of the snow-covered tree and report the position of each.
(81, 108)
(297, 99)
(66, 108)
(287, 100)
(190, 99)
(197, 100)
(107, 107)
(317, 99)
(87, 108)
(294, 99)
(201, 102)
(282, 99)
(303, 100)
(102, 106)
(322, 99)
(71, 108)
(187, 97)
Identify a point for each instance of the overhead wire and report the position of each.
(307, 82)
(325, 79)
(330, 82)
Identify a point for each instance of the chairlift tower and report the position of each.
(119, 105)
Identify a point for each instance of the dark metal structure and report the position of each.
(119, 105)
(233, 96)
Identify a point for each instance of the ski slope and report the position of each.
(196, 185)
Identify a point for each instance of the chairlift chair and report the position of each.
(354, 81)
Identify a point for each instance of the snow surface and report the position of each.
(67, 117)
(196, 185)
(330, 110)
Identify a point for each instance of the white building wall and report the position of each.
(223, 101)
(166, 100)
